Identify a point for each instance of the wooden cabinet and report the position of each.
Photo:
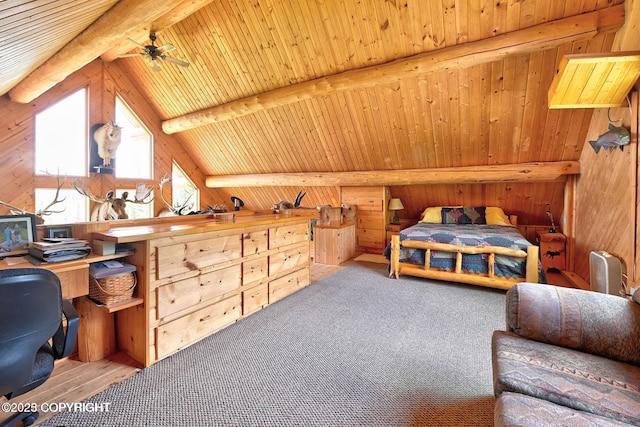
(195, 284)
(371, 213)
(552, 250)
(335, 243)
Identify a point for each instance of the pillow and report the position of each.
(496, 216)
(464, 215)
(433, 215)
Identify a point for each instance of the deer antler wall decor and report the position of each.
(41, 213)
(187, 205)
(180, 209)
(284, 205)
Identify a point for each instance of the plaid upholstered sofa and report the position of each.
(569, 357)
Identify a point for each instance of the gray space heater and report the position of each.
(605, 273)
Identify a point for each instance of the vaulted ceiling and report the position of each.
(278, 86)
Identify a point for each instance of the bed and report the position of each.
(478, 245)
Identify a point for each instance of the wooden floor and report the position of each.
(73, 381)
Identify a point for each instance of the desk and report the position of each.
(96, 332)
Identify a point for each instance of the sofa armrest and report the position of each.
(600, 324)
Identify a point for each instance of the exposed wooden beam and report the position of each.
(117, 23)
(539, 37)
(526, 172)
(175, 15)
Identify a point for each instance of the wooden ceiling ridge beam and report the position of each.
(527, 40)
(124, 18)
(524, 172)
(175, 15)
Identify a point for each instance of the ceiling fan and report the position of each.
(153, 54)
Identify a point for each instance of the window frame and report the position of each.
(132, 115)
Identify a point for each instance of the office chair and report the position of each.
(31, 310)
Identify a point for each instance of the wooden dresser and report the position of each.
(372, 215)
(198, 277)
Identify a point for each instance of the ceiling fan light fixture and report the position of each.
(152, 53)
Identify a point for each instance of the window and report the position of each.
(61, 137)
(134, 156)
(74, 206)
(183, 190)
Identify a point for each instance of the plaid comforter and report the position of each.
(467, 235)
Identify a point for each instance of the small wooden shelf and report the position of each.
(99, 258)
(112, 308)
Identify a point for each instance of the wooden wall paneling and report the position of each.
(17, 141)
(605, 200)
(528, 201)
(166, 147)
(567, 221)
(634, 100)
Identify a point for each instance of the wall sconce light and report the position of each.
(395, 205)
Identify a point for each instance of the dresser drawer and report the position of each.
(197, 254)
(297, 256)
(255, 298)
(288, 284)
(188, 329)
(288, 235)
(188, 293)
(254, 270)
(255, 242)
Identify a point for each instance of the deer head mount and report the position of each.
(41, 213)
(110, 207)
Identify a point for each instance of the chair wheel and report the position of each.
(30, 419)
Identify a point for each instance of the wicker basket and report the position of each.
(112, 289)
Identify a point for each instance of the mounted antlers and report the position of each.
(44, 211)
(181, 209)
(186, 206)
(111, 207)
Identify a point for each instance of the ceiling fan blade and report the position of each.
(175, 61)
(155, 65)
(165, 48)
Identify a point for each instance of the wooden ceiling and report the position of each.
(278, 86)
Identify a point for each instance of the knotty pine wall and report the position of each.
(529, 201)
(105, 80)
(103, 83)
(606, 196)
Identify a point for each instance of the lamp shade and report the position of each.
(395, 205)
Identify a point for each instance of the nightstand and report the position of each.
(393, 229)
(552, 250)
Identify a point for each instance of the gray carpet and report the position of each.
(354, 349)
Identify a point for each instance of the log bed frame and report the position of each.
(489, 279)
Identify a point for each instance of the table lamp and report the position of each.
(395, 205)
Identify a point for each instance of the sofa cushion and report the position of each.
(514, 409)
(601, 324)
(566, 377)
